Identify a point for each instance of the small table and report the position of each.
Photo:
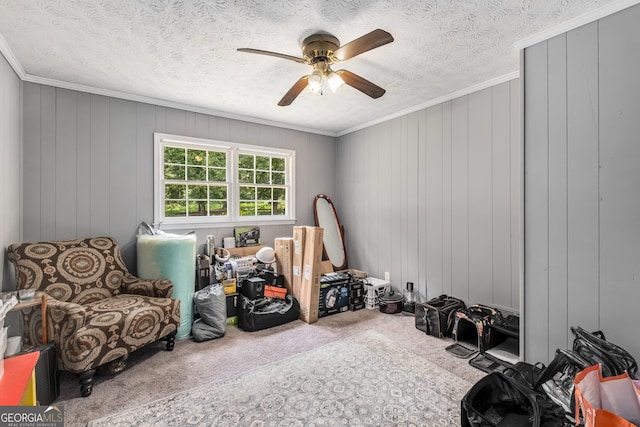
(40, 298)
(18, 383)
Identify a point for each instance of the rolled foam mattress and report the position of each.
(170, 256)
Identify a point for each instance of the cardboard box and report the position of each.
(326, 267)
(310, 284)
(298, 258)
(334, 294)
(284, 260)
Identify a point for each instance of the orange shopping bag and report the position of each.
(606, 401)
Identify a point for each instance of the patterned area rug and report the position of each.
(363, 380)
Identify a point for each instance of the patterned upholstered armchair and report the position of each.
(97, 312)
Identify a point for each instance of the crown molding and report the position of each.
(578, 21)
(168, 104)
(11, 58)
(457, 94)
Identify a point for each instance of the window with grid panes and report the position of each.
(207, 182)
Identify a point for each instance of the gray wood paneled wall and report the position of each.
(582, 198)
(88, 164)
(9, 166)
(433, 198)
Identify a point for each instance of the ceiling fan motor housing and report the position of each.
(320, 48)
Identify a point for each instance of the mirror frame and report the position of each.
(329, 228)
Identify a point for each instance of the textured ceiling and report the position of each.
(184, 51)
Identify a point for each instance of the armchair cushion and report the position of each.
(153, 288)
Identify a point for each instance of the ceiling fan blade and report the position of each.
(374, 39)
(362, 84)
(295, 90)
(277, 55)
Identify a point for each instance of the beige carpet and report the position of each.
(154, 373)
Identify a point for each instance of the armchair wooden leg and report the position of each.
(171, 340)
(86, 382)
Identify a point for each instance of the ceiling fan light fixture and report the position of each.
(335, 81)
(320, 50)
(315, 79)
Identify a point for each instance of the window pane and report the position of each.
(264, 208)
(264, 193)
(197, 208)
(174, 155)
(279, 194)
(245, 161)
(218, 159)
(217, 208)
(175, 191)
(277, 164)
(247, 193)
(218, 192)
(277, 178)
(262, 178)
(174, 172)
(198, 192)
(196, 173)
(247, 208)
(175, 209)
(196, 157)
(245, 177)
(280, 208)
(263, 163)
(217, 175)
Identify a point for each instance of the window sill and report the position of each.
(221, 224)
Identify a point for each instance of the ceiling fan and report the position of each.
(322, 50)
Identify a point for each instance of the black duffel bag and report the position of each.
(499, 400)
(263, 313)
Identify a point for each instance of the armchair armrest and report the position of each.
(65, 318)
(162, 288)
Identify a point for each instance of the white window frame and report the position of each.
(233, 218)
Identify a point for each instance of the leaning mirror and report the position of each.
(327, 218)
